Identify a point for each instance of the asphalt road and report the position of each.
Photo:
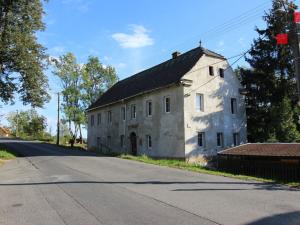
(56, 186)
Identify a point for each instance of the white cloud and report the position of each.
(139, 38)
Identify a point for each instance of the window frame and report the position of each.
(201, 109)
(233, 106)
(122, 138)
(109, 117)
(236, 138)
(133, 112)
(149, 141)
(98, 118)
(92, 120)
(123, 113)
(221, 72)
(169, 104)
(211, 71)
(220, 134)
(202, 134)
(149, 109)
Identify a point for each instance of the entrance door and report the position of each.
(133, 143)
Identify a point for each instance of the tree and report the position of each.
(270, 81)
(22, 58)
(285, 129)
(96, 79)
(28, 124)
(70, 74)
(82, 85)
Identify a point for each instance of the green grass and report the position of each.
(180, 164)
(6, 154)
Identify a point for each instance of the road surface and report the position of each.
(53, 186)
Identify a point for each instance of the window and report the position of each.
(220, 141)
(233, 106)
(122, 141)
(108, 141)
(123, 113)
(211, 70)
(133, 111)
(98, 143)
(92, 120)
(221, 72)
(167, 105)
(201, 139)
(199, 102)
(149, 108)
(98, 118)
(236, 139)
(109, 117)
(149, 142)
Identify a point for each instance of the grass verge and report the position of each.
(180, 164)
(6, 154)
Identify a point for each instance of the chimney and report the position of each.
(175, 54)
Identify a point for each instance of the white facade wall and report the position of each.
(216, 116)
(175, 134)
(165, 129)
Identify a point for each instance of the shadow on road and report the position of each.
(256, 186)
(290, 218)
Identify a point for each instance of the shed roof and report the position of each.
(161, 75)
(265, 149)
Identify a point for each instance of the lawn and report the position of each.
(6, 154)
(180, 164)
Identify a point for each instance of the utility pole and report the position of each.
(17, 126)
(296, 55)
(294, 43)
(58, 123)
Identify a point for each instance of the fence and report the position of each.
(288, 170)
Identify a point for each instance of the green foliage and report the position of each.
(96, 80)
(270, 84)
(28, 125)
(82, 85)
(22, 59)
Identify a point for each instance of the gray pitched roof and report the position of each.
(164, 74)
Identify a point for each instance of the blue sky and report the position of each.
(134, 35)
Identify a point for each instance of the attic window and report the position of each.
(221, 71)
(211, 70)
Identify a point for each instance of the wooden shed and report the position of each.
(268, 160)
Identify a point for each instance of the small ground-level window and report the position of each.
(149, 142)
(236, 139)
(201, 139)
(220, 139)
(92, 120)
(98, 143)
(211, 70)
(221, 72)
(167, 104)
(122, 140)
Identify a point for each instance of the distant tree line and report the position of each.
(28, 125)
